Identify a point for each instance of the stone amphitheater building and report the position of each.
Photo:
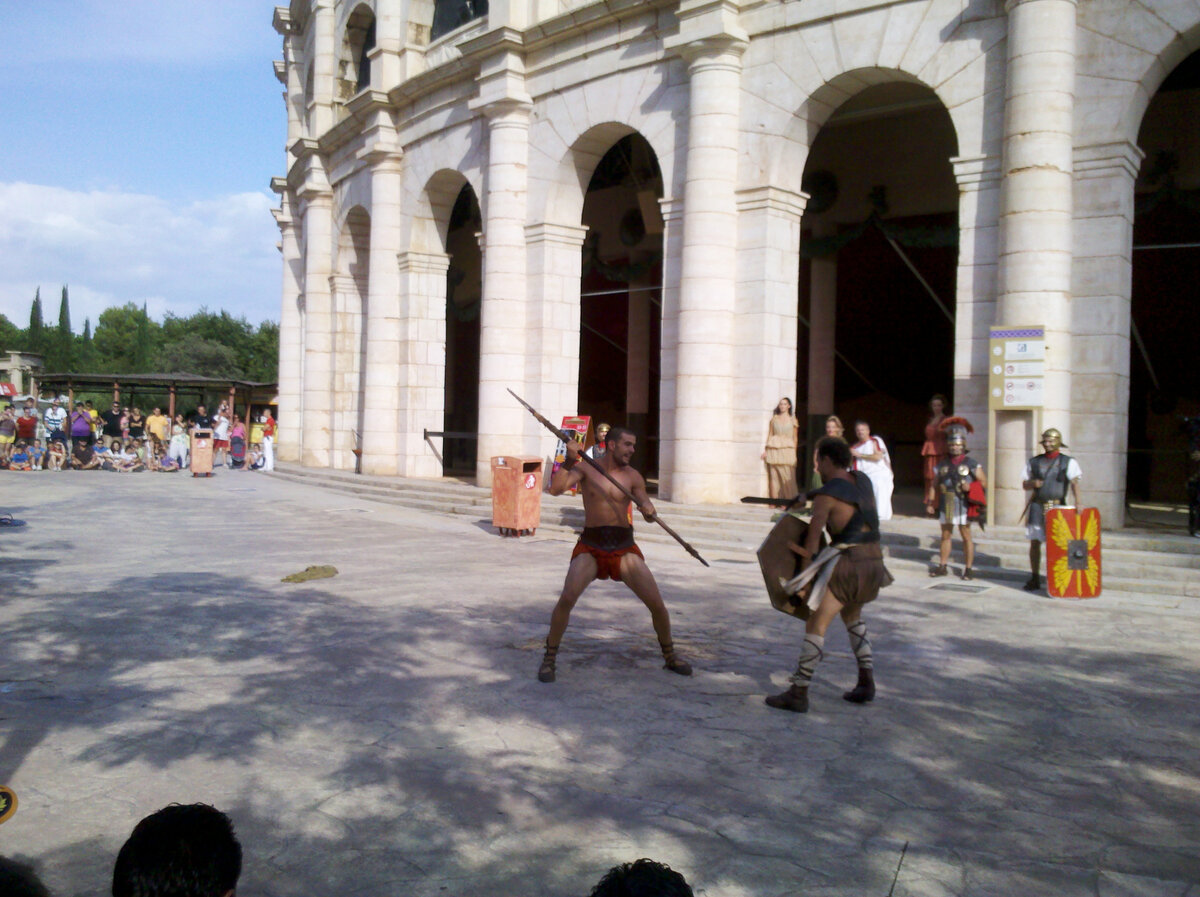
(670, 213)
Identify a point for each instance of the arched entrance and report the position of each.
(620, 325)
(464, 291)
(1164, 381)
(879, 252)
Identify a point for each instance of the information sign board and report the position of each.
(1016, 368)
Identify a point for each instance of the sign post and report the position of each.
(1016, 382)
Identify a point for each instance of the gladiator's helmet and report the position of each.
(956, 430)
(1052, 440)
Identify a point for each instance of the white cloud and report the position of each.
(111, 248)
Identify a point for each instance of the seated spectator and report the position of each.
(19, 880)
(8, 431)
(255, 460)
(56, 456)
(19, 459)
(83, 456)
(642, 878)
(105, 455)
(37, 455)
(180, 851)
(125, 457)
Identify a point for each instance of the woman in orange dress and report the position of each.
(933, 452)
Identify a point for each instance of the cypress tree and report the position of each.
(142, 347)
(64, 339)
(87, 352)
(35, 336)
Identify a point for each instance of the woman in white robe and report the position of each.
(871, 457)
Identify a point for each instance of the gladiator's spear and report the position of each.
(566, 437)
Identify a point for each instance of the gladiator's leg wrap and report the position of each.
(811, 652)
(546, 670)
(672, 661)
(860, 644)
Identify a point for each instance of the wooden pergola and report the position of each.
(247, 392)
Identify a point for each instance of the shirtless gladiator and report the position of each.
(606, 549)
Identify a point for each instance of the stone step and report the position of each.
(1136, 563)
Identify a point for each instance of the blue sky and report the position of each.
(139, 139)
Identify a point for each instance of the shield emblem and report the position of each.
(1073, 552)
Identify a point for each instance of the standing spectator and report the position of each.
(221, 436)
(55, 417)
(112, 422)
(80, 426)
(137, 424)
(96, 422)
(177, 451)
(237, 443)
(27, 425)
(268, 441)
(871, 457)
(180, 851)
(779, 454)
(8, 431)
(933, 452)
(158, 426)
(201, 420)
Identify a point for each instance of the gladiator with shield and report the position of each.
(832, 581)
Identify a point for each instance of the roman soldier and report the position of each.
(960, 483)
(1047, 477)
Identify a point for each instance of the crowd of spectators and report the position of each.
(123, 440)
(192, 851)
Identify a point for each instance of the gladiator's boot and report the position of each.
(864, 691)
(1034, 584)
(672, 661)
(939, 570)
(795, 698)
(546, 670)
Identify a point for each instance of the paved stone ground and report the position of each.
(382, 732)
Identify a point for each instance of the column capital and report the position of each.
(422, 262)
(976, 172)
(1104, 159)
(562, 234)
(672, 210)
(708, 29)
(506, 111)
(1010, 5)
(342, 283)
(789, 203)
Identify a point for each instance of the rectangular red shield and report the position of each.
(1073, 552)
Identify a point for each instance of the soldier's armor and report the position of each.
(1054, 479)
(951, 477)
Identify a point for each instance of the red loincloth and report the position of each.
(608, 563)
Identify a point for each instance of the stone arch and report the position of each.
(353, 63)
(349, 286)
(1146, 88)
(882, 204)
(431, 215)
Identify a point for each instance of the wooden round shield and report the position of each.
(780, 562)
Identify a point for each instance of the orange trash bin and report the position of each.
(516, 494)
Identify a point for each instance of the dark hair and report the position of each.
(19, 880)
(938, 397)
(180, 851)
(642, 878)
(836, 450)
(791, 407)
(614, 435)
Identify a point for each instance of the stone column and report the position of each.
(552, 318)
(291, 322)
(1102, 283)
(317, 421)
(502, 422)
(975, 291)
(768, 258)
(421, 373)
(704, 402)
(1034, 277)
(348, 297)
(381, 402)
(672, 217)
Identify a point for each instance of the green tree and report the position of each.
(263, 366)
(85, 362)
(11, 337)
(60, 349)
(117, 338)
(197, 355)
(35, 336)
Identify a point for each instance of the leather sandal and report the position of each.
(939, 570)
(673, 663)
(546, 670)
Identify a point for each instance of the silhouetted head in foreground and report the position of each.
(180, 851)
(642, 878)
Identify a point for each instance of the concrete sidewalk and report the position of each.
(382, 732)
